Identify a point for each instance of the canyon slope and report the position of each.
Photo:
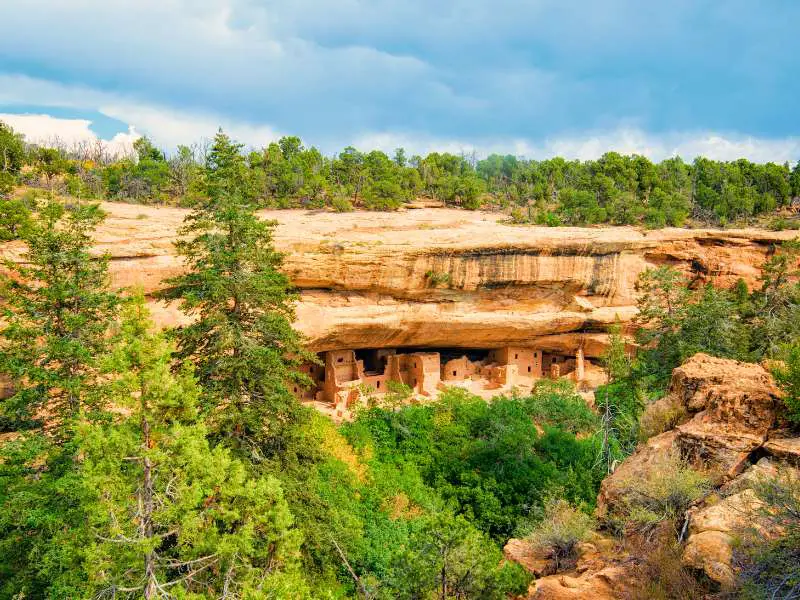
(445, 277)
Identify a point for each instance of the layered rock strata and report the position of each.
(448, 278)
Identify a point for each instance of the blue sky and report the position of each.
(536, 77)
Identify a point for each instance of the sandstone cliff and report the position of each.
(450, 278)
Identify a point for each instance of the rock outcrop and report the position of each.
(734, 406)
(729, 432)
(731, 409)
(447, 278)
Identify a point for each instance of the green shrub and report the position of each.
(560, 531)
(660, 416)
(7, 183)
(548, 218)
(437, 278)
(14, 215)
(782, 223)
(662, 494)
(340, 204)
(787, 375)
(769, 565)
(518, 216)
(556, 403)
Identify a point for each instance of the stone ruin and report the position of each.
(344, 378)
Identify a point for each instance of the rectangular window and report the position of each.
(529, 369)
(454, 373)
(378, 384)
(516, 356)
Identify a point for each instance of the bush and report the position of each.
(549, 219)
(7, 183)
(782, 223)
(518, 216)
(660, 416)
(556, 403)
(560, 531)
(769, 566)
(661, 576)
(669, 487)
(340, 204)
(437, 278)
(788, 377)
(14, 214)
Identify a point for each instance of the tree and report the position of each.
(242, 342)
(56, 309)
(787, 374)
(184, 173)
(12, 155)
(166, 515)
(664, 295)
(151, 173)
(226, 172)
(619, 403)
(448, 559)
(49, 163)
(776, 306)
(14, 215)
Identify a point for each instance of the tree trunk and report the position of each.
(150, 588)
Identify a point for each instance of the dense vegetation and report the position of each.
(614, 189)
(143, 464)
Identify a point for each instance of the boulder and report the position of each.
(713, 528)
(734, 406)
(636, 466)
(711, 552)
(534, 561)
(610, 583)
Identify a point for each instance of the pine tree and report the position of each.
(56, 311)
(242, 342)
(167, 515)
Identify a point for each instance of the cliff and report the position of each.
(448, 278)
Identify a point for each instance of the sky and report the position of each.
(534, 78)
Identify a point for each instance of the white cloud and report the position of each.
(167, 127)
(68, 133)
(585, 146)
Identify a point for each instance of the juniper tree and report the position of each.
(167, 515)
(56, 310)
(242, 341)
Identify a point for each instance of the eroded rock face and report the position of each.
(735, 407)
(784, 448)
(440, 277)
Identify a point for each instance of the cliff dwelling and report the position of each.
(345, 378)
